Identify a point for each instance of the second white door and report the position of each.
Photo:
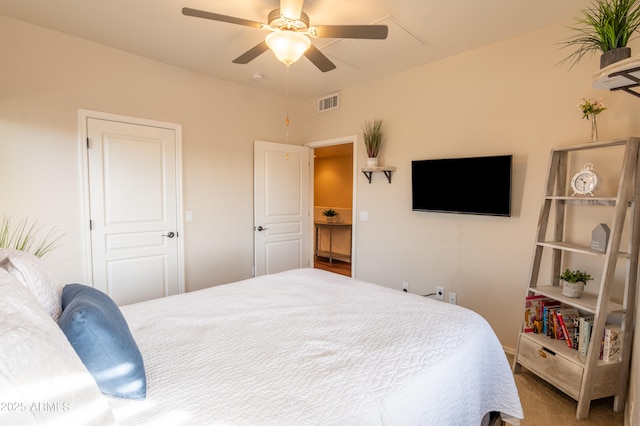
(281, 207)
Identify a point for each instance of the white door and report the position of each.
(281, 207)
(133, 201)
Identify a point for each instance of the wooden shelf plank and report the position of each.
(588, 302)
(378, 169)
(622, 75)
(388, 171)
(584, 201)
(577, 248)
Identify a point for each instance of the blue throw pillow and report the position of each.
(101, 337)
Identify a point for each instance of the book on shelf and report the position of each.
(575, 337)
(586, 324)
(532, 312)
(611, 343)
(566, 320)
(556, 330)
(563, 322)
(563, 330)
(547, 320)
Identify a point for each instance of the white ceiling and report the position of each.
(420, 31)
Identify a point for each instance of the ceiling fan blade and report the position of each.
(377, 32)
(291, 8)
(319, 59)
(222, 18)
(252, 53)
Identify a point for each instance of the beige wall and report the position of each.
(48, 76)
(507, 98)
(333, 182)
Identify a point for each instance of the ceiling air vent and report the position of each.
(329, 102)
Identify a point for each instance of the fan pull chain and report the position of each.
(286, 121)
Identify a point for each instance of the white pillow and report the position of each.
(42, 379)
(36, 275)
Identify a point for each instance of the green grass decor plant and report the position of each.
(606, 25)
(26, 237)
(372, 132)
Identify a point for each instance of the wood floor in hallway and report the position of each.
(337, 266)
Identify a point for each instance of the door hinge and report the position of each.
(90, 225)
(88, 144)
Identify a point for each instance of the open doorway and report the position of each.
(333, 190)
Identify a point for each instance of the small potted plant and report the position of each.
(372, 133)
(607, 27)
(330, 214)
(574, 282)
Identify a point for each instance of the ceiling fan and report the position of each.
(290, 31)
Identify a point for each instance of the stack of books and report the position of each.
(550, 317)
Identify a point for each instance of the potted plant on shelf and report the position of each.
(574, 282)
(330, 214)
(607, 26)
(372, 133)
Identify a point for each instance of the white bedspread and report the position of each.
(309, 347)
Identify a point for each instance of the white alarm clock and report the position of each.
(585, 181)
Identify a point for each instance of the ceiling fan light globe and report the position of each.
(288, 46)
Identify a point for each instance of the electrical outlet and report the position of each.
(453, 298)
(405, 287)
(440, 293)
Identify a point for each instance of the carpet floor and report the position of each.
(545, 405)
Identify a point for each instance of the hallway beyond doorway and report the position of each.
(338, 266)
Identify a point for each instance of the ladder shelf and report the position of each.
(584, 376)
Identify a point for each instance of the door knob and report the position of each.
(260, 228)
(170, 235)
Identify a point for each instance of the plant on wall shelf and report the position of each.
(372, 133)
(25, 237)
(607, 27)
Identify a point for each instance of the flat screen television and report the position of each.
(470, 185)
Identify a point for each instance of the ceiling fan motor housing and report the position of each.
(277, 20)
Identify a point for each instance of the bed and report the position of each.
(298, 347)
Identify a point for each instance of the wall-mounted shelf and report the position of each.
(623, 75)
(368, 172)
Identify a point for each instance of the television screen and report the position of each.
(471, 185)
